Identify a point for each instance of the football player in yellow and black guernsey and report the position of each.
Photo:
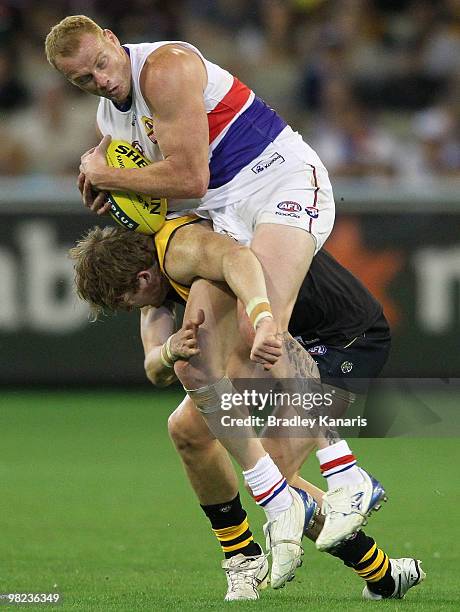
(116, 269)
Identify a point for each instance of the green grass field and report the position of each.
(94, 505)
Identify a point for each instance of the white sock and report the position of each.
(269, 487)
(338, 465)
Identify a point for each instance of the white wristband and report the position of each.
(168, 350)
(261, 316)
(257, 309)
(165, 354)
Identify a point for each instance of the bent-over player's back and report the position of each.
(333, 305)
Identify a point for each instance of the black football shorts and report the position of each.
(354, 365)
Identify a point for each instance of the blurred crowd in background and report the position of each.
(373, 85)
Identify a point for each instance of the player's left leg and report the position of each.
(212, 476)
(385, 578)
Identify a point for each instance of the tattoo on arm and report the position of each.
(303, 367)
(302, 363)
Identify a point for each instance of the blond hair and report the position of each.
(64, 38)
(106, 263)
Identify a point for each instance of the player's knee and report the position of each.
(195, 374)
(178, 432)
(187, 438)
(191, 376)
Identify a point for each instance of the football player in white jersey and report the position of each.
(210, 137)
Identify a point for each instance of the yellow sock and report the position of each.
(373, 566)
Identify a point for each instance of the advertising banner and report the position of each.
(410, 262)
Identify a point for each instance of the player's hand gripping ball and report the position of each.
(134, 211)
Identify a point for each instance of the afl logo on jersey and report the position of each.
(312, 212)
(289, 207)
(319, 349)
(148, 126)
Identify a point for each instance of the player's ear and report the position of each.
(144, 278)
(109, 35)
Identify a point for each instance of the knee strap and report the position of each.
(209, 399)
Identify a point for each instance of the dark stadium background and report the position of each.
(88, 478)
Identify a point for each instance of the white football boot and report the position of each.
(245, 576)
(406, 573)
(346, 510)
(284, 536)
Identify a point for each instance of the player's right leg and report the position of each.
(204, 375)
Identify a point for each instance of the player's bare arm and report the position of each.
(172, 82)
(163, 344)
(92, 198)
(156, 324)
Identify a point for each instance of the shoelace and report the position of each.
(244, 572)
(239, 579)
(335, 504)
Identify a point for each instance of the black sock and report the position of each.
(230, 525)
(370, 563)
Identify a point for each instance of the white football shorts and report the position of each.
(300, 197)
